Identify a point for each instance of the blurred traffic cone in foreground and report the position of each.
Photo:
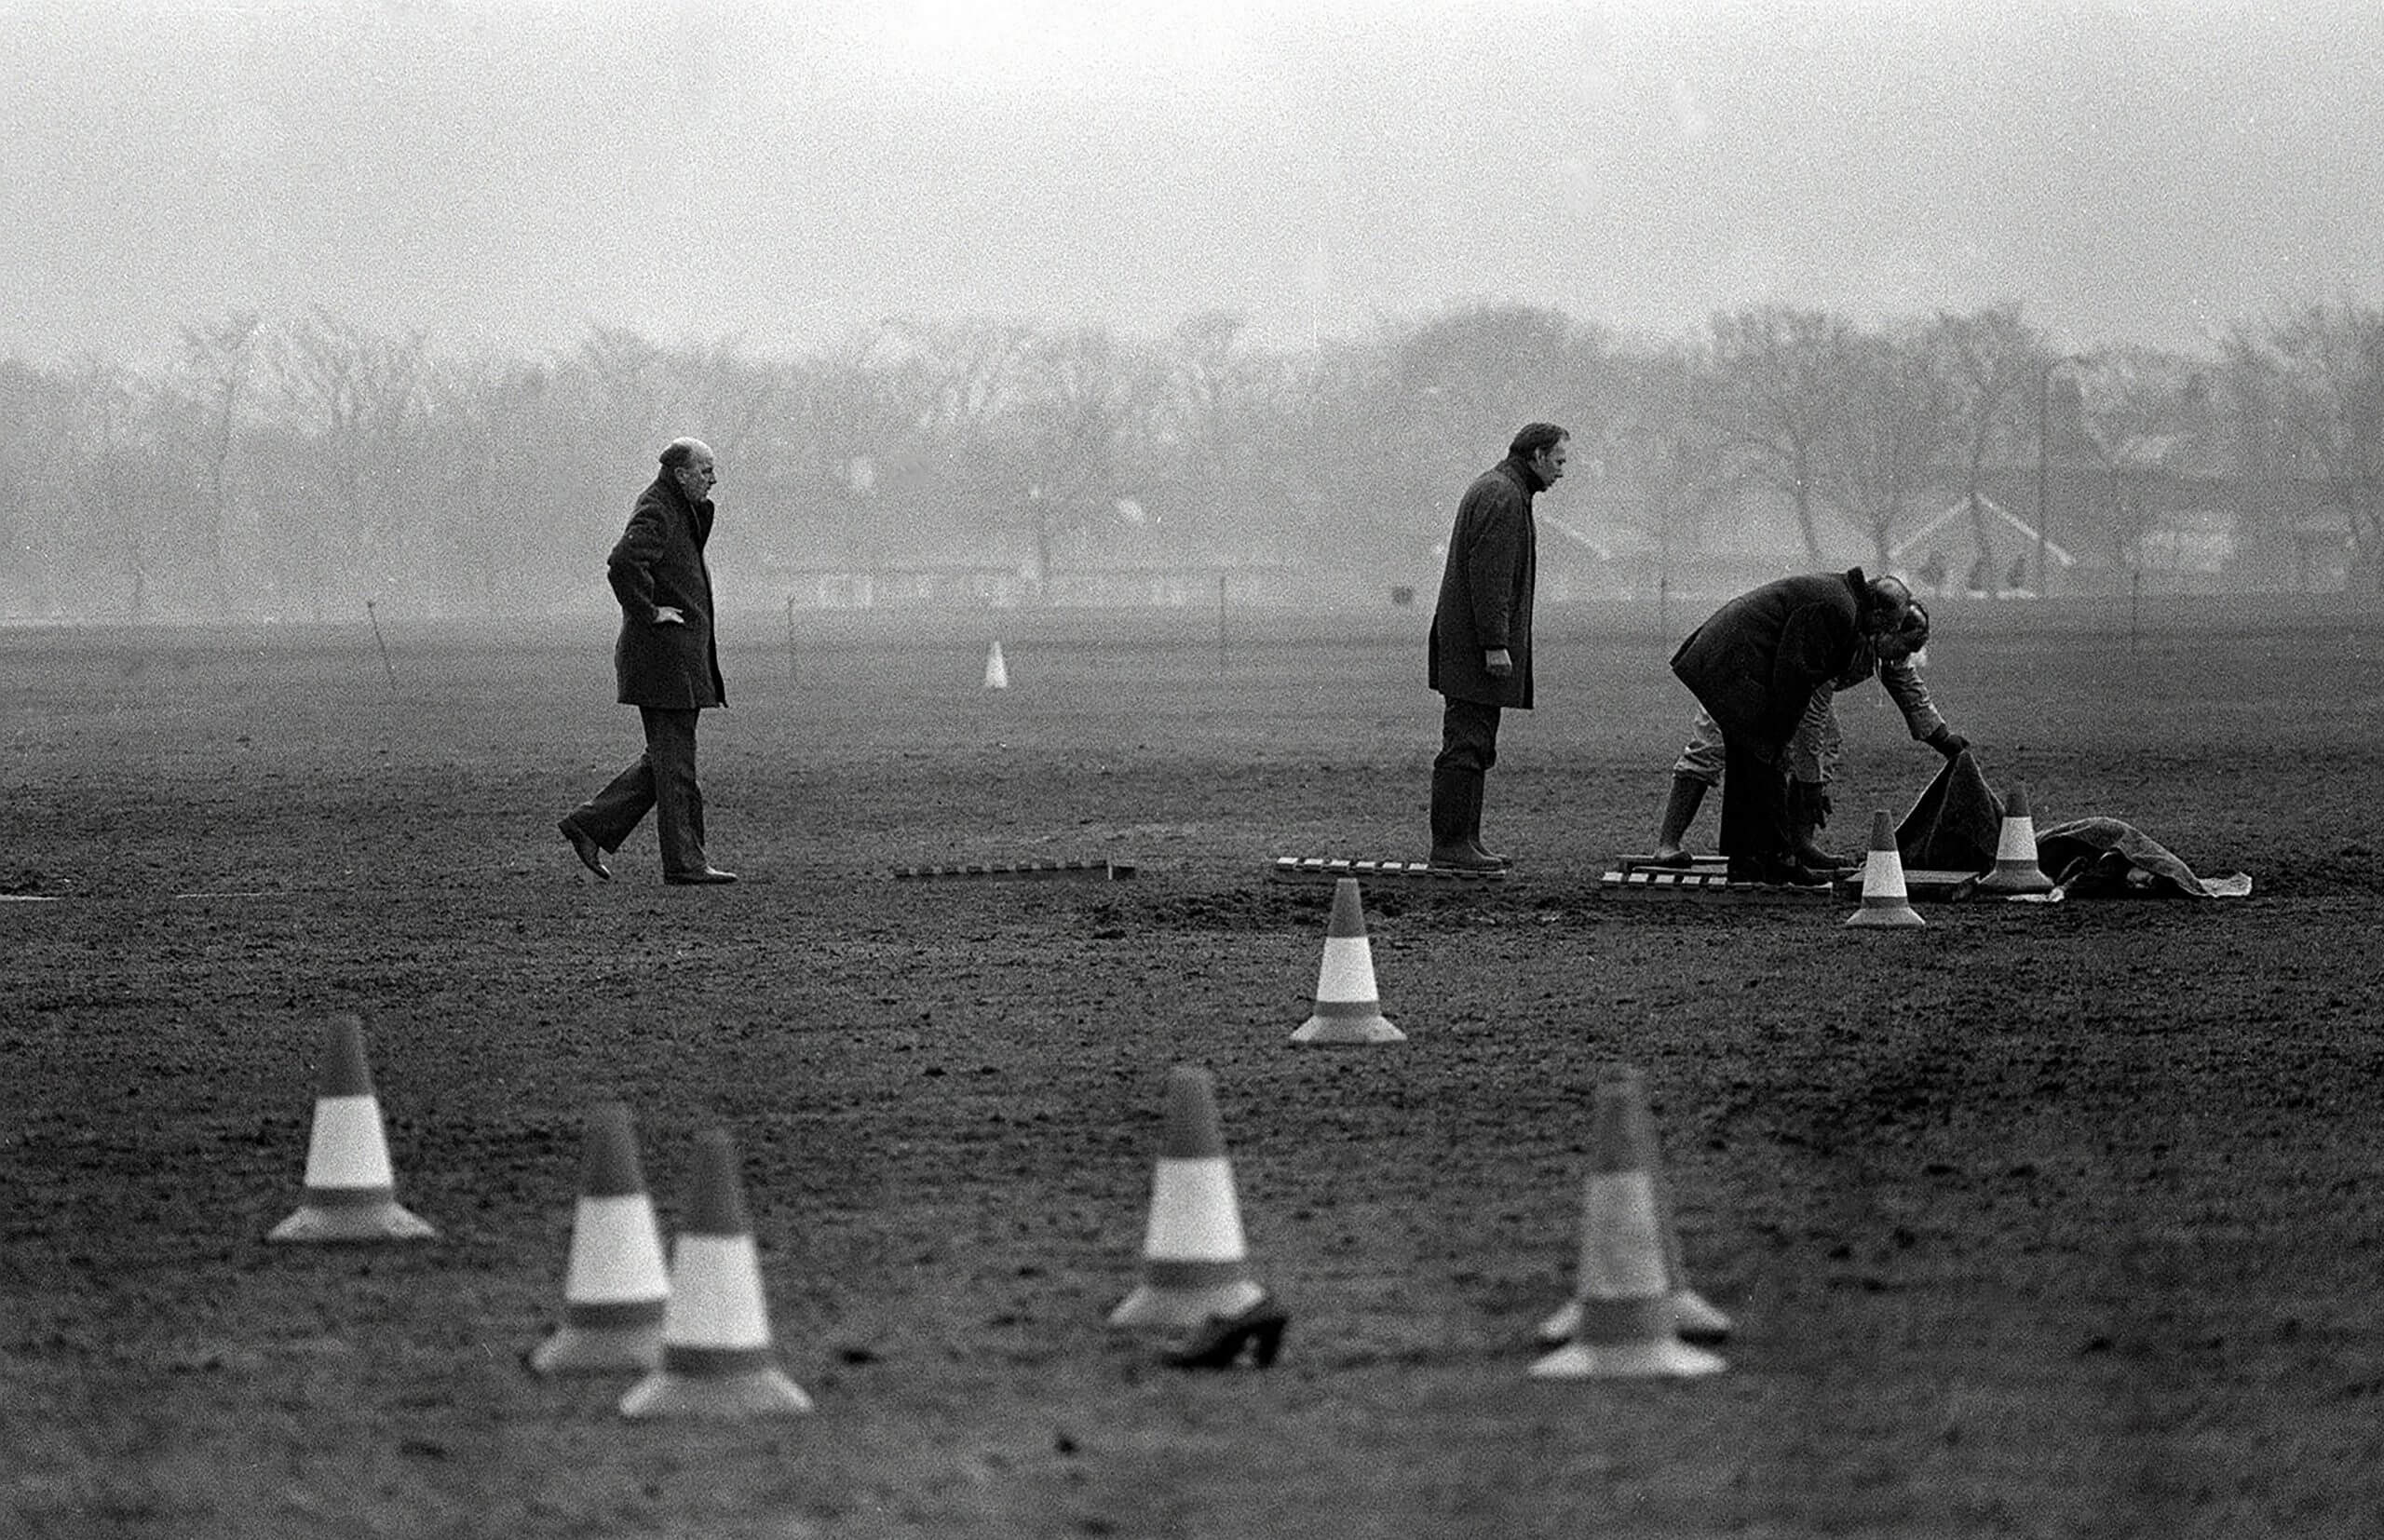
(1347, 1007)
(1194, 1262)
(1885, 901)
(997, 671)
(1694, 1318)
(351, 1193)
(1627, 1323)
(615, 1285)
(716, 1356)
(2015, 850)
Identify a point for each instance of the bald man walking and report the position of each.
(669, 669)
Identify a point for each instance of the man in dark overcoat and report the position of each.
(1753, 666)
(1481, 640)
(667, 668)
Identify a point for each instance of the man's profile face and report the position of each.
(1897, 645)
(1549, 464)
(696, 478)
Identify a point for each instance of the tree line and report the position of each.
(290, 470)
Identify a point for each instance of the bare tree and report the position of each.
(101, 447)
(2318, 372)
(220, 359)
(484, 452)
(1777, 383)
(36, 412)
(1217, 426)
(356, 399)
(1082, 398)
(1664, 458)
(1990, 360)
(956, 386)
(1896, 420)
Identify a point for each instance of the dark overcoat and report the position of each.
(659, 559)
(1487, 589)
(1756, 661)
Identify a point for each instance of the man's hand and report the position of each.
(1947, 742)
(668, 615)
(1498, 661)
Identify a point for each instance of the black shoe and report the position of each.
(1219, 1342)
(590, 854)
(1772, 871)
(1490, 855)
(710, 876)
(1817, 860)
(1463, 857)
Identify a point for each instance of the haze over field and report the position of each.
(502, 175)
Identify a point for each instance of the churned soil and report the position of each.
(2042, 1220)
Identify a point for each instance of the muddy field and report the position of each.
(2042, 1220)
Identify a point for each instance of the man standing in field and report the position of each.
(1481, 640)
(669, 669)
(1755, 665)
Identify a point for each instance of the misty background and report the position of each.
(1000, 302)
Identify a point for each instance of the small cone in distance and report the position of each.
(997, 671)
(1195, 1264)
(1627, 1322)
(716, 1354)
(351, 1193)
(1695, 1319)
(1885, 904)
(1347, 1009)
(615, 1285)
(2015, 850)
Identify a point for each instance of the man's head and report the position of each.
(1885, 602)
(690, 465)
(1543, 448)
(1907, 639)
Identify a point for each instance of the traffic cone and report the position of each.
(1884, 902)
(1348, 1010)
(1695, 1319)
(716, 1329)
(1194, 1262)
(615, 1285)
(997, 671)
(2015, 850)
(351, 1193)
(1627, 1324)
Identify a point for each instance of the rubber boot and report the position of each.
(1680, 811)
(1456, 801)
(1474, 824)
(1806, 851)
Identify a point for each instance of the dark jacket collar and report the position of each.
(1518, 470)
(700, 513)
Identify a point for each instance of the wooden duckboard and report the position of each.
(1098, 871)
(1325, 869)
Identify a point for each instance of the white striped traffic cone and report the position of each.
(615, 1285)
(2015, 850)
(351, 1193)
(1348, 1010)
(997, 671)
(716, 1356)
(1695, 1319)
(1627, 1326)
(1885, 905)
(1194, 1262)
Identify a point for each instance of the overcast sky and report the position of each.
(504, 174)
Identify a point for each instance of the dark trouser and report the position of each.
(664, 780)
(1754, 804)
(1468, 748)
